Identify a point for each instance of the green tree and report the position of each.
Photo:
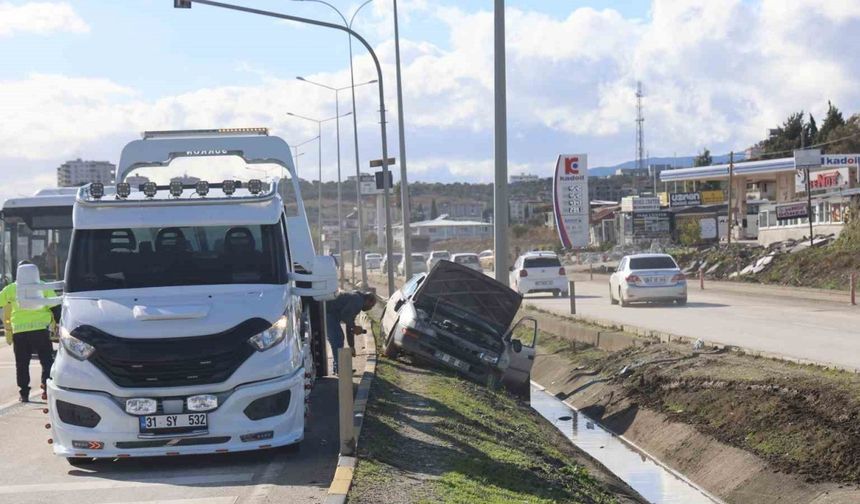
(785, 138)
(845, 138)
(689, 233)
(703, 159)
(434, 212)
(832, 120)
(811, 135)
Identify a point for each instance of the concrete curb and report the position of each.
(343, 475)
(667, 337)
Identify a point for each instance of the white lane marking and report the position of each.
(106, 485)
(201, 500)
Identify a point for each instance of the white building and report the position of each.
(78, 172)
(523, 210)
(524, 177)
(443, 228)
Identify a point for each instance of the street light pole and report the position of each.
(319, 162)
(500, 195)
(339, 190)
(404, 186)
(382, 121)
(348, 26)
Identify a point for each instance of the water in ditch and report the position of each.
(653, 482)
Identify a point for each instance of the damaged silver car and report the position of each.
(461, 319)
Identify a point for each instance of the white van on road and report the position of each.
(188, 311)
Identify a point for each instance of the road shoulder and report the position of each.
(432, 437)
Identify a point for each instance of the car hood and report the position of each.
(471, 291)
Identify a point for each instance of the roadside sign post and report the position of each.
(345, 401)
(571, 290)
(570, 200)
(853, 287)
(701, 279)
(805, 159)
(591, 271)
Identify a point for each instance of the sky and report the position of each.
(80, 78)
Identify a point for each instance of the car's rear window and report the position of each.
(469, 259)
(646, 263)
(542, 262)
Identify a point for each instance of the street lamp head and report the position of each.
(300, 78)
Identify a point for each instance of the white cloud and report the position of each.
(40, 18)
(716, 74)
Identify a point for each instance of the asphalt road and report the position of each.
(30, 473)
(817, 330)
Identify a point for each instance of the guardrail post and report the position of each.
(590, 271)
(701, 279)
(571, 291)
(345, 401)
(853, 288)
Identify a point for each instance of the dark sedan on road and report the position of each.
(461, 319)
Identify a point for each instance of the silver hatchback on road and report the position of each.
(647, 278)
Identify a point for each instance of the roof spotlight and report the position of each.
(255, 186)
(229, 187)
(175, 188)
(97, 190)
(149, 189)
(123, 189)
(202, 188)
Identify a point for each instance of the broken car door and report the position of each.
(520, 346)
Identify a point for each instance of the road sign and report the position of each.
(380, 181)
(570, 200)
(376, 163)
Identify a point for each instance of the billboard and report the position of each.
(714, 197)
(651, 224)
(686, 199)
(570, 200)
(640, 204)
(791, 211)
(832, 172)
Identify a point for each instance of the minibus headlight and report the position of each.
(140, 406)
(76, 348)
(271, 336)
(202, 402)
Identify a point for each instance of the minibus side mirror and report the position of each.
(31, 291)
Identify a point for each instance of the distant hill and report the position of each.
(677, 162)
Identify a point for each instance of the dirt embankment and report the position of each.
(429, 436)
(827, 265)
(746, 429)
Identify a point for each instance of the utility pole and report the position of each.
(808, 185)
(730, 209)
(500, 188)
(640, 137)
(404, 186)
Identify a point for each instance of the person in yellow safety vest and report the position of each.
(30, 333)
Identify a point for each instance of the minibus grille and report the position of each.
(171, 362)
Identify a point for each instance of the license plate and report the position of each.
(543, 283)
(448, 359)
(655, 280)
(157, 422)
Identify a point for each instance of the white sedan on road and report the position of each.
(647, 278)
(468, 260)
(539, 272)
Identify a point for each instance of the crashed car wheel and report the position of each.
(391, 351)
